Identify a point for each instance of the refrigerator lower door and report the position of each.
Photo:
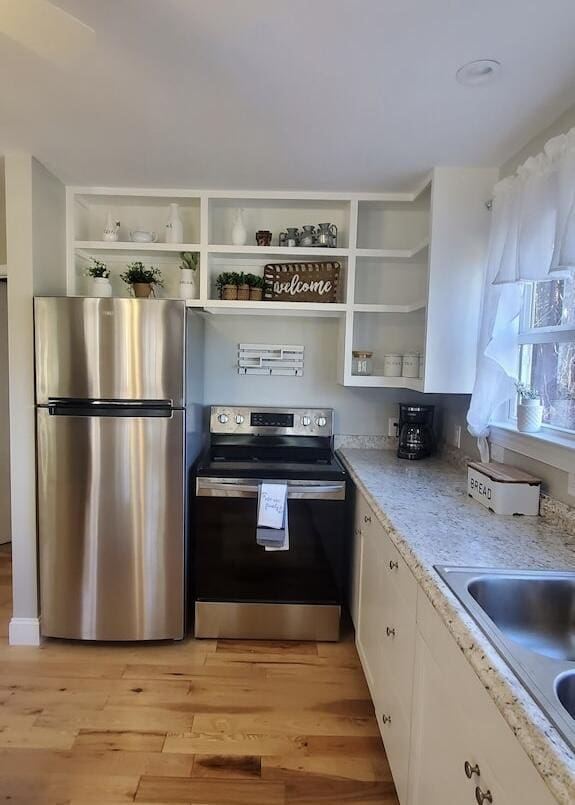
(111, 525)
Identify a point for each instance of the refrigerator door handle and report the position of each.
(104, 408)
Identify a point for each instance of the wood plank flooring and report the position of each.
(200, 723)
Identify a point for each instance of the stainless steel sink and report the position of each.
(529, 617)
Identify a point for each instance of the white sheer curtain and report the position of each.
(532, 235)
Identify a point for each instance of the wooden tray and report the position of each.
(302, 282)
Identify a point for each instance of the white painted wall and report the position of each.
(4, 420)
(2, 219)
(35, 236)
(358, 411)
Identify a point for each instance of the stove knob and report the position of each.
(321, 421)
(239, 419)
(305, 421)
(223, 418)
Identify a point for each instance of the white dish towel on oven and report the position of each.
(272, 531)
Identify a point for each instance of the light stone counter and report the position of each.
(424, 508)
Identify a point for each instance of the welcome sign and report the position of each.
(302, 282)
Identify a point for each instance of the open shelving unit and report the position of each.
(386, 243)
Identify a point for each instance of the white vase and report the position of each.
(174, 226)
(112, 228)
(529, 415)
(239, 233)
(101, 286)
(188, 290)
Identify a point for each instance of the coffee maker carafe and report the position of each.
(415, 431)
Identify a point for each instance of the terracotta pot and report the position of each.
(243, 292)
(256, 294)
(142, 290)
(230, 292)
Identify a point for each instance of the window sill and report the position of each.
(547, 446)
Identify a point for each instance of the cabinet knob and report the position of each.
(471, 770)
(386, 719)
(390, 631)
(366, 518)
(393, 565)
(483, 796)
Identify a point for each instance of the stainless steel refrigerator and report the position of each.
(111, 436)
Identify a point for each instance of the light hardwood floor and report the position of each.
(200, 722)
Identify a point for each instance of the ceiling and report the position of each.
(287, 94)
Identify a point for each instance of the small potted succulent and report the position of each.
(529, 409)
(100, 274)
(243, 286)
(256, 284)
(188, 268)
(227, 285)
(141, 279)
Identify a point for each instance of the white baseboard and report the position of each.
(24, 632)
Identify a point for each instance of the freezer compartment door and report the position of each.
(111, 526)
(112, 349)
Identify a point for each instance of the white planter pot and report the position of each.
(101, 286)
(187, 275)
(529, 416)
(188, 290)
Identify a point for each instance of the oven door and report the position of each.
(230, 566)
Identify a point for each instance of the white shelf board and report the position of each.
(129, 247)
(224, 306)
(393, 254)
(359, 308)
(378, 381)
(279, 251)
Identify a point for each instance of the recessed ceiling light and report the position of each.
(477, 72)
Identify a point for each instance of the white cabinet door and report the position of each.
(355, 559)
(369, 636)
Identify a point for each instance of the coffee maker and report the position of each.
(415, 431)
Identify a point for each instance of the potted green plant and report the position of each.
(100, 275)
(256, 284)
(243, 287)
(188, 268)
(529, 409)
(141, 279)
(227, 285)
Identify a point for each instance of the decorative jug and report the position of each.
(290, 237)
(112, 229)
(239, 233)
(308, 236)
(174, 226)
(327, 235)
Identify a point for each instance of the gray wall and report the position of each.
(358, 411)
(4, 420)
(455, 408)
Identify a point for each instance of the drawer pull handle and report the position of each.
(366, 518)
(393, 565)
(386, 719)
(483, 796)
(390, 631)
(471, 770)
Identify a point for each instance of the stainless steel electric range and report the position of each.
(243, 590)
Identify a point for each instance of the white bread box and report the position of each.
(503, 489)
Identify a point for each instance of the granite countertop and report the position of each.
(425, 509)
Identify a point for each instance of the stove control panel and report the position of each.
(271, 421)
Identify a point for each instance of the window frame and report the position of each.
(551, 445)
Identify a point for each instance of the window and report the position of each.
(547, 352)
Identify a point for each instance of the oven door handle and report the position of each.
(221, 488)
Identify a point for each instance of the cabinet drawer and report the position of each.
(395, 733)
(395, 568)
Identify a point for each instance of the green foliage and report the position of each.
(255, 281)
(98, 269)
(189, 260)
(137, 272)
(227, 278)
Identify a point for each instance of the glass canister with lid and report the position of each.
(362, 363)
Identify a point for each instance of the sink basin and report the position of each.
(529, 618)
(536, 613)
(565, 690)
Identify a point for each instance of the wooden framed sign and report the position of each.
(302, 282)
